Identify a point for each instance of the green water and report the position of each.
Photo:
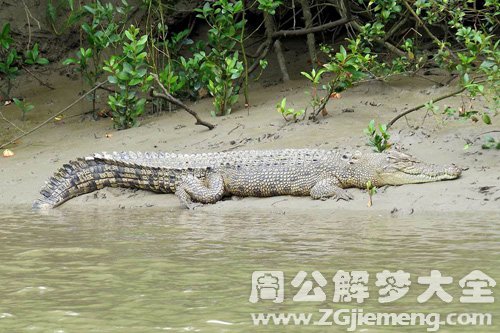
(153, 271)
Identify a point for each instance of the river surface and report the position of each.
(149, 270)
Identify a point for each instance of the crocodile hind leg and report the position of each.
(193, 191)
(329, 188)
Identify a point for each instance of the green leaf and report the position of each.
(129, 35)
(10, 58)
(123, 76)
(134, 82)
(235, 75)
(141, 56)
(143, 40)
(466, 78)
(35, 50)
(487, 64)
(5, 30)
(112, 79)
(371, 124)
(309, 77)
(343, 51)
(141, 72)
(127, 67)
(486, 119)
(42, 61)
(89, 9)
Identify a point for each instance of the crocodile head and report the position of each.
(396, 168)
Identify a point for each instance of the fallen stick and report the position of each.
(166, 96)
(45, 84)
(10, 122)
(440, 98)
(53, 116)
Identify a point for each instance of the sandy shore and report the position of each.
(261, 127)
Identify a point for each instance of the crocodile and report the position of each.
(206, 178)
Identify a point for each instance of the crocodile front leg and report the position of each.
(193, 191)
(328, 188)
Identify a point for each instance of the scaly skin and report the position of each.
(206, 178)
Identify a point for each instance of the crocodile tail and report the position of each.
(89, 174)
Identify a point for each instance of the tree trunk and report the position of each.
(311, 42)
(269, 23)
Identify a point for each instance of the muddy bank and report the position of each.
(261, 127)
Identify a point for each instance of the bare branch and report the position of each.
(45, 84)
(318, 28)
(10, 122)
(166, 96)
(440, 98)
(434, 38)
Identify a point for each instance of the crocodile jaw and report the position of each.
(420, 173)
(399, 169)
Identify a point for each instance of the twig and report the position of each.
(45, 84)
(440, 98)
(391, 47)
(10, 122)
(395, 28)
(324, 102)
(488, 132)
(380, 41)
(111, 90)
(166, 96)
(53, 116)
(433, 37)
(453, 77)
(261, 54)
(28, 15)
(234, 129)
